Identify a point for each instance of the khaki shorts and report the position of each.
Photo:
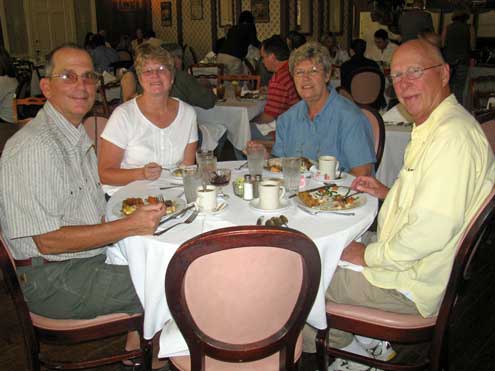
(78, 289)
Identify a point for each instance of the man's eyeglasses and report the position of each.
(160, 70)
(312, 72)
(412, 73)
(70, 77)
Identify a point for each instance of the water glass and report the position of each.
(256, 160)
(207, 163)
(192, 180)
(291, 168)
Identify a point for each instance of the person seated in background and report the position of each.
(102, 55)
(59, 219)
(295, 40)
(423, 217)
(150, 132)
(281, 93)
(150, 38)
(358, 61)
(103, 34)
(88, 41)
(337, 54)
(382, 49)
(219, 43)
(185, 87)
(8, 86)
(323, 122)
(138, 40)
(124, 43)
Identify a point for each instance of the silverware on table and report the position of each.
(351, 195)
(242, 166)
(176, 215)
(189, 220)
(172, 186)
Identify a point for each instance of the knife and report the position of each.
(176, 215)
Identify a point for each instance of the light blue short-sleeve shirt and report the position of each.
(339, 130)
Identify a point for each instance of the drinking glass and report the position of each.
(192, 180)
(207, 162)
(256, 160)
(291, 168)
(220, 178)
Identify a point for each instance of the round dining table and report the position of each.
(148, 256)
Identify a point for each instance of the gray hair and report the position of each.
(311, 51)
(147, 52)
(50, 65)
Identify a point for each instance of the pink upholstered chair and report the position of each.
(36, 329)
(94, 126)
(241, 295)
(367, 87)
(378, 127)
(409, 329)
(487, 121)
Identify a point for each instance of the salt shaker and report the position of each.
(248, 188)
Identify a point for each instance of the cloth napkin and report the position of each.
(108, 77)
(267, 128)
(211, 223)
(397, 114)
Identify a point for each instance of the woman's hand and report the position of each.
(152, 171)
(371, 186)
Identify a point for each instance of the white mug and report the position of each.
(328, 166)
(207, 198)
(271, 193)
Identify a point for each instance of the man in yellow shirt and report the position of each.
(448, 171)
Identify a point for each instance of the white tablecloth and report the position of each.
(396, 140)
(234, 115)
(148, 256)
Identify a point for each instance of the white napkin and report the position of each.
(267, 128)
(108, 77)
(397, 114)
(210, 57)
(245, 91)
(211, 223)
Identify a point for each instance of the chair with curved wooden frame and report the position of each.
(409, 329)
(242, 294)
(487, 121)
(367, 87)
(378, 127)
(254, 81)
(208, 71)
(35, 102)
(36, 328)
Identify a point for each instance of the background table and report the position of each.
(396, 140)
(148, 256)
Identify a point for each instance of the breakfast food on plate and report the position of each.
(274, 165)
(179, 172)
(306, 164)
(327, 198)
(129, 205)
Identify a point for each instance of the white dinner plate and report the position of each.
(284, 205)
(179, 204)
(360, 202)
(315, 175)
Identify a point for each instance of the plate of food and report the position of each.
(330, 199)
(129, 205)
(274, 165)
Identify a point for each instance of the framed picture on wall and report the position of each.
(260, 10)
(225, 13)
(196, 10)
(166, 13)
(335, 10)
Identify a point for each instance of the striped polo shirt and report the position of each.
(282, 92)
(48, 180)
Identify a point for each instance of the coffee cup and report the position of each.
(206, 198)
(328, 166)
(270, 194)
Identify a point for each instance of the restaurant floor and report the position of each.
(471, 340)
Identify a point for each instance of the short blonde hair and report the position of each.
(147, 52)
(310, 51)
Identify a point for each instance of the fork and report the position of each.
(242, 166)
(189, 220)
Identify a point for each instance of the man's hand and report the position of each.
(145, 219)
(371, 186)
(354, 253)
(152, 171)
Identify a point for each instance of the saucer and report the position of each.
(284, 205)
(315, 175)
(221, 206)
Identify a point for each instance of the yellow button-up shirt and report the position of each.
(448, 171)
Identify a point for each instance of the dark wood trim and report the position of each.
(214, 23)
(322, 14)
(284, 18)
(237, 11)
(180, 32)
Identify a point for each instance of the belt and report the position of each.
(29, 262)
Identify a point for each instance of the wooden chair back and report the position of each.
(367, 86)
(481, 89)
(243, 294)
(411, 329)
(254, 81)
(94, 126)
(378, 127)
(209, 71)
(34, 104)
(36, 329)
(487, 121)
